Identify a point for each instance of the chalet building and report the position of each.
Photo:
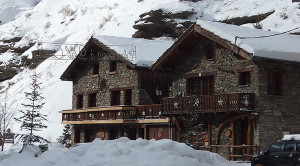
(244, 90)
(114, 90)
(220, 87)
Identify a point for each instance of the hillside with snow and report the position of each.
(62, 25)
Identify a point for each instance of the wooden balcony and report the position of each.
(209, 104)
(115, 114)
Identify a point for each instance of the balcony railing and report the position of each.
(209, 104)
(132, 113)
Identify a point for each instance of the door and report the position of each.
(89, 135)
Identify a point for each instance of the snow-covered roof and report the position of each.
(282, 47)
(141, 52)
(291, 137)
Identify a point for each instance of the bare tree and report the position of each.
(6, 115)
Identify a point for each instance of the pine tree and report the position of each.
(32, 119)
(65, 139)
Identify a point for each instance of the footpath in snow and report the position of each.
(119, 152)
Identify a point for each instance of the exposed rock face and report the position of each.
(247, 19)
(157, 23)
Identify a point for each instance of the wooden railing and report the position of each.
(141, 112)
(149, 111)
(233, 152)
(209, 103)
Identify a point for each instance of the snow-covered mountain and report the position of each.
(47, 24)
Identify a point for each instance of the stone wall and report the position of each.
(125, 77)
(275, 113)
(278, 113)
(225, 80)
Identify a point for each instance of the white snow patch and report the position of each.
(291, 137)
(141, 52)
(118, 152)
(282, 47)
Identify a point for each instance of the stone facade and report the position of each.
(275, 113)
(102, 83)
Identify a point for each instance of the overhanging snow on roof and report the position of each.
(141, 52)
(281, 47)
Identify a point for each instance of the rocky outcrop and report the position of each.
(247, 19)
(158, 23)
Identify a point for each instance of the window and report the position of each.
(276, 147)
(210, 54)
(244, 78)
(77, 136)
(298, 146)
(113, 66)
(115, 98)
(127, 97)
(274, 83)
(289, 147)
(92, 100)
(200, 86)
(96, 69)
(79, 103)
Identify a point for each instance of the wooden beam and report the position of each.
(117, 108)
(225, 43)
(119, 121)
(244, 70)
(249, 135)
(233, 136)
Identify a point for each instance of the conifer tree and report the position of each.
(65, 139)
(31, 118)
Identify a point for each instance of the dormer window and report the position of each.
(96, 69)
(113, 66)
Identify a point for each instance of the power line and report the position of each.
(256, 37)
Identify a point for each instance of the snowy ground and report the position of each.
(120, 152)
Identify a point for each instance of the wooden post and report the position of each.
(233, 136)
(249, 132)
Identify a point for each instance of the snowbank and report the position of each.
(118, 152)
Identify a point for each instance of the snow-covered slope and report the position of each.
(118, 152)
(51, 23)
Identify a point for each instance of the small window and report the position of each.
(92, 100)
(210, 54)
(244, 78)
(276, 147)
(96, 69)
(274, 83)
(79, 103)
(115, 98)
(298, 146)
(289, 147)
(113, 66)
(128, 97)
